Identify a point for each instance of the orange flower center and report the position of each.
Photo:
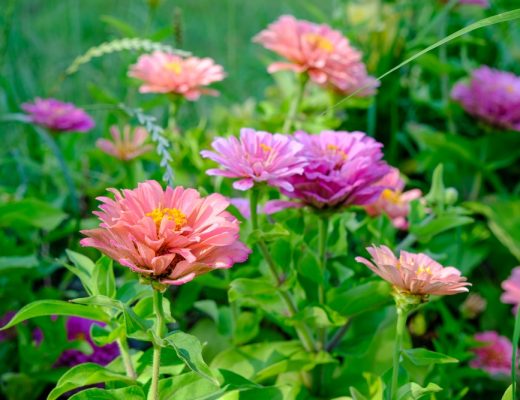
(337, 151)
(174, 66)
(265, 147)
(319, 41)
(391, 196)
(172, 214)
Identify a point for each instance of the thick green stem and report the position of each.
(399, 331)
(516, 337)
(125, 356)
(295, 104)
(153, 394)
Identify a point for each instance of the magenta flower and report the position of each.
(163, 72)
(495, 355)
(343, 169)
(511, 288)
(481, 3)
(169, 235)
(257, 157)
(393, 201)
(319, 51)
(415, 274)
(58, 116)
(127, 146)
(492, 96)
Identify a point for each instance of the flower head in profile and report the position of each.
(492, 96)
(414, 274)
(163, 72)
(393, 201)
(257, 157)
(494, 355)
(58, 116)
(319, 51)
(169, 235)
(343, 169)
(126, 146)
(511, 288)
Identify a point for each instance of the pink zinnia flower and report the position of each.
(343, 169)
(58, 116)
(511, 288)
(415, 274)
(169, 73)
(168, 235)
(491, 95)
(317, 50)
(393, 201)
(481, 3)
(495, 355)
(127, 146)
(257, 157)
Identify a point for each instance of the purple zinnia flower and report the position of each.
(58, 116)
(343, 169)
(491, 95)
(257, 157)
(79, 329)
(495, 354)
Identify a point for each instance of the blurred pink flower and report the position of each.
(169, 235)
(491, 95)
(58, 116)
(481, 3)
(342, 170)
(318, 50)
(127, 146)
(495, 355)
(415, 274)
(168, 73)
(393, 201)
(511, 288)
(257, 157)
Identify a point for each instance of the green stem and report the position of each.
(445, 79)
(125, 356)
(295, 104)
(153, 394)
(516, 337)
(323, 228)
(399, 330)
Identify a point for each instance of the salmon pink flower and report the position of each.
(495, 354)
(414, 274)
(317, 50)
(492, 96)
(393, 201)
(127, 146)
(343, 169)
(163, 72)
(257, 157)
(169, 235)
(511, 288)
(58, 116)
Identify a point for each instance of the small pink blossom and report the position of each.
(393, 201)
(257, 157)
(319, 51)
(415, 274)
(127, 146)
(168, 235)
(495, 354)
(511, 288)
(163, 72)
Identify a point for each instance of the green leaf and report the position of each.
(320, 317)
(104, 277)
(30, 212)
(247, 327)
(18, 262)
(189, 349)
(309, 267)
(373, 389)
(86, 374)
(42, 308)
(413, 391)
(187, 386)
(83, 267)
(127, 393)
(255, 292)
(423, 357)
(357, 300)
(440, 224)
(508, 394)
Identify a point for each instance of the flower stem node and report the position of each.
(407, 302)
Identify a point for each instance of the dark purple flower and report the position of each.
(58, 116)
(343, 170)
(10, 333)
(491, 95)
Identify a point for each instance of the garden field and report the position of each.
(258, 200)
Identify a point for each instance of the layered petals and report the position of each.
(511, 288)
(494, 355)
(125, 146)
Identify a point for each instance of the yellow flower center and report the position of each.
(265, 147)
(172, 214)
(175, 67)
(319, 41)
(336, 150)
(391, 196)
(421, 269)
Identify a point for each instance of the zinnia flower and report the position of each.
(511, 288)
(473, 306)
(481, 3)
(415, 274)
(127, 146)
(495, 355)
(163, 72)
(393, 201)
(257, 157)
(58, 116)
(169, 235)
(317, 50)
(343, 169)
(491, 95)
